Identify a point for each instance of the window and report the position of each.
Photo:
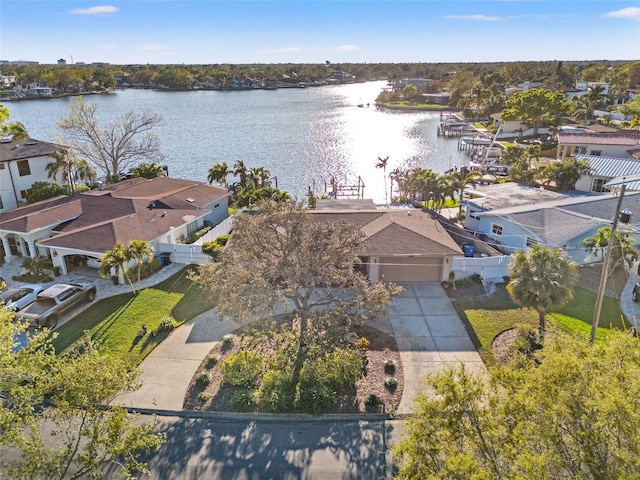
(472, 214)
(595, 153)
(1, 166)
(496, 229)
(24, 193)
(598, 185)
(23, 168)
(1, 204)
(531, 242)
(192, 228)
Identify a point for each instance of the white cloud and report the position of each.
(95, 10)
(474, 18)
(345, 48)
(630, 12)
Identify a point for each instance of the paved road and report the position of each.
(215, 450)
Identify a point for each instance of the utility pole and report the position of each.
(605, 267)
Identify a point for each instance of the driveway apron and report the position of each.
(430, 337)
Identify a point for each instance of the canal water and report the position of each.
(303, 136)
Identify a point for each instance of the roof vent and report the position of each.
(164, 214)
(190, 200)
(31, 143)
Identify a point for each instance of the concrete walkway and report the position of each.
(630, 309)
(429, 333)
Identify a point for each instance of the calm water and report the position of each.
(303, 136)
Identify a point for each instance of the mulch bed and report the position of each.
(382, 347)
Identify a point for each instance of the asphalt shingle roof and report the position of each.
(29, 148)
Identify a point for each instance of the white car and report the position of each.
(21, 297)
(93, 262)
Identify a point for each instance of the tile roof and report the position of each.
(618, 138)
(29, 148)
(395, 232)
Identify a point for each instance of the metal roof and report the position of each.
(610, 167)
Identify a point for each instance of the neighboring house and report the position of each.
(486, 198)
(400, 245)
(620, 144)
(562, 223)
(604, 169)
(422, 84)
(22, 163)
(72, 229)
(441, 98)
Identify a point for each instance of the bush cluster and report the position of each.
(243, 369)
(147, 269)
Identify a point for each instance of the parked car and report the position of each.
(93, 262)
(51, 303)
(18, 298)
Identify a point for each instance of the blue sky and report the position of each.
(299, 31)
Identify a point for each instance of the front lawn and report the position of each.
(127, 325)
(486, 317)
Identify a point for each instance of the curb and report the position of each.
(269, 417)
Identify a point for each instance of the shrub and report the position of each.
(243, 400)
(391, 383)
(372, 400)
(203, 379)
(213, 250)
(276, 391)
(389, 366)
(203, 397)
(338, 370)
(243, 368)
(228, 340)
(362, 343)
(147, 269)
(316, 398)
(212, 360)
(167, 324)
(199, 234)
(223, 239)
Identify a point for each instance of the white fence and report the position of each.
(192, 252)
(486, 267)
(223, 228)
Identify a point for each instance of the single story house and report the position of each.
(485, 198)
(560, 223)
(22, 163)
(400, 245)
(73, 229)
(604, 169)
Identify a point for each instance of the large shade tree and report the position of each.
(535, 106)
(568, 415)
(542, 278)
(116, 147)
(280, 255)
(564, 174)
(55, 418)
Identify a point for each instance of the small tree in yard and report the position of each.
(566, 416)
(115, 261)
(542, 278)
(138, 250)
(53, 418)
(281, 255)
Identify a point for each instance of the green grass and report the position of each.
(413, 104)
(115, 322)
(486, 317)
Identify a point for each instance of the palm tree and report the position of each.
(64, 162)
(149, 170)
(259, 176)
(240, 171)
(396, 175)
(115, 260)
(85, 171)
(138, 250)
(16, 130)
(382, 163)
(459, 182)
(219, 173)
(622, 249)
(542, 278)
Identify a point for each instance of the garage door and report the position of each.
(410, 269)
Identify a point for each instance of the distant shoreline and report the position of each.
(410, 108)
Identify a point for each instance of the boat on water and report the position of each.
(476, 140)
